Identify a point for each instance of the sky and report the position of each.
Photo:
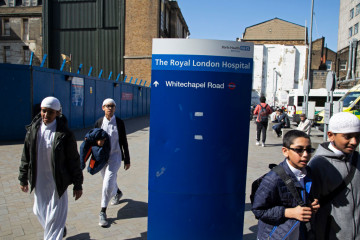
(227, 19)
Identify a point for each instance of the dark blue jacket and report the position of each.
(123, 143)
(99, 155)
(270, 201)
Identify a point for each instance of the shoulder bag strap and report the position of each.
(279, 170)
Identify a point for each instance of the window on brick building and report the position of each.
(29, 3)
(6, 27)
(350, 32)
(352, 13)
(26, 54)
(328, 65)
(25, 29)
(357, 11)
(6, 54)
(342, 66)
(356, 28)
(11, 3)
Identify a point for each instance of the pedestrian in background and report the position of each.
(50, 163)
(304, 125)
(119, 151)
(274, 115)
(283, 122)
(262, 111)
(336, 177)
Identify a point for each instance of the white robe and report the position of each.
(109, 172)
(49, 209)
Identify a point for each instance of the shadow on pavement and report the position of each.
(81, 236)
(136, 124)
(251, 236)
(133, 209)
(143, 237)
(247, 207)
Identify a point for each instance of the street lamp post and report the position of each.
(309, 60)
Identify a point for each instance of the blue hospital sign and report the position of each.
(199, 130)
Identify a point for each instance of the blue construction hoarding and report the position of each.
(23, 87)
(201, 90)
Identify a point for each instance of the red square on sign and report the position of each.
(126, 96)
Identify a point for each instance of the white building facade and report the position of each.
(277, 70)
(349, 20)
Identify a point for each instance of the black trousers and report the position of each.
(261, 127)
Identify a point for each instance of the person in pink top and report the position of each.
(262, 111)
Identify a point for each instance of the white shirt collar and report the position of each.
(49, 126)
(298, 173)
(336, 151)
(111, 119)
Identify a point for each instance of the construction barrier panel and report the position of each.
(23, 87)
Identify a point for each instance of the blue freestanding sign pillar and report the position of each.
(199, 130)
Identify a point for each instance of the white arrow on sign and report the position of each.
(156, 83)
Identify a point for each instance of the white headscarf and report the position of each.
(344, 122)
(108, 101)
(51, 102)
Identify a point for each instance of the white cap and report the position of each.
(51, 102)
(109, 101)
(344, 122)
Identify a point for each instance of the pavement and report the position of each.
(128, 220)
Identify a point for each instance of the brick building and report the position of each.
(280, 55)
(348, 55)
(144, 21)
(110, 35)
(21, 31)
(323, 60)
(275, 31)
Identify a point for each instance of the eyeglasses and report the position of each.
(109, 106)
(302, 150)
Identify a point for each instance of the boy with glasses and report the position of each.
(115, 128)
(335, 169)
(279, 213)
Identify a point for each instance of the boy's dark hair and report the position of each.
(262, 99)
(290, 136)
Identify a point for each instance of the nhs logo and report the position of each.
(245, 48)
